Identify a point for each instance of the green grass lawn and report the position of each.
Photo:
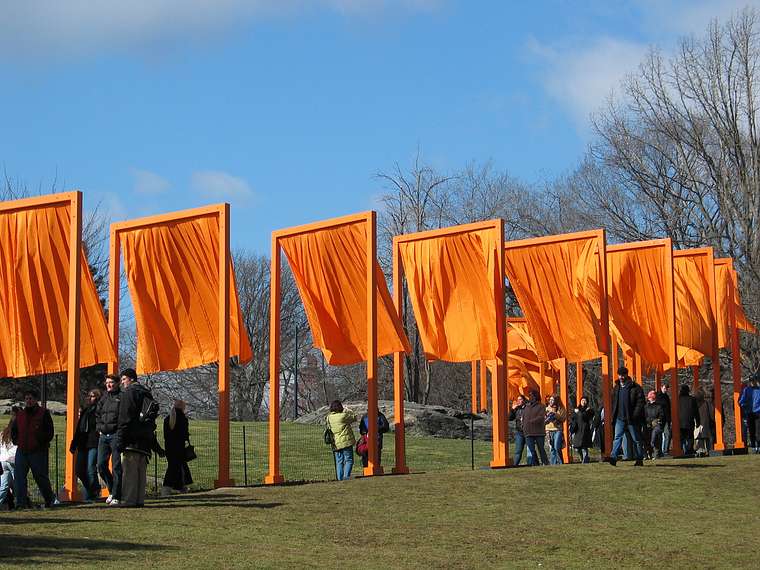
(673, 513)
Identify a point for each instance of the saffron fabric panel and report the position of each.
(523, 366)
(330, 270)
(34, 296)
(695, 324)
(637, 297)
(173, 276)
(551, 283)
(452, 284)
(726, 284)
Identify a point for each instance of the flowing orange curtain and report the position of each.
(330, 270)
(637, 297)
(452, 281)
(726, 283)
(695, 324)
(173, 275)
(34, 296)
(523, 365)
(551, 282)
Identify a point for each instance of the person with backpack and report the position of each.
(135, 437)
(107, 420)
(85, 447)
(339, 422)
(382, 427)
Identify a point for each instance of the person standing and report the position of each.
(581, 426)
(7, 464)
(176, 435)
(339, 421)
(688, 415)
(107, 420)
(556, 414)
(654, 417)
(703, 435)
(32, 431)
(516, 415)
(134, 437)
(382, 427)
(667, 429)
(627, 415)
(85, 447)
(534, 428)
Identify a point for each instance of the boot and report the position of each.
(639, 463)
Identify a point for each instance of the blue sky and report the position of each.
(287, 108)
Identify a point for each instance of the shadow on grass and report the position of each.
(689, 466)
(32, 519)
(22, 550)
(239, 504)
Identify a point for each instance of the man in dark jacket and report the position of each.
(533, 417)
(688, 415)
(627, 415)
(663, 400)
(32, 431)
(107, 419)
(516, 415)
(134, 438)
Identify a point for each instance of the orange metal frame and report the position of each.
(670, 308)
(222, 213)
(736, 367)
(707, 253)
(70, 490)
(274, 476)
(500, 457)
(600, 236)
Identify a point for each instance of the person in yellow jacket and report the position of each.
(339, 421)
(556, 414)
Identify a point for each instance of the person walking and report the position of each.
(85, 447)
(556, 414)
(534, 428)
(581, 427)
(749, 402)
(382, 427)
(339, 422)
(7, 464)
(135, 437)
(176, 436)
(663, 399)
(688, 418)
(32, 431)
(516, 415)
(107, 422)
(703, 435)
(654, 421)
(627, 415)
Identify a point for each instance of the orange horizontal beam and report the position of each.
(639, 245)
(692, 252)
(517, 320)
(544, 240)
(37, 201)
(322, 225)
(452, 230)
(725, 261)
(137, 223)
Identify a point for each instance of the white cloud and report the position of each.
(147, 182)
(60, 29)
(218, 185)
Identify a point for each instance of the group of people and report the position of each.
(640, 423)
(114, 438)
(340, 435)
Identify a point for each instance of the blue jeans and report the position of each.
(6, 480)
(666, 439)
(621, 427)
(536, 449)
(107, 449)
(344, 462)
(519, 446)
(556, 443)
(87, 472)
(38, 463)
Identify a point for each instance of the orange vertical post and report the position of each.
(615, 358)
(578, 382)
(373, 465)
(714, 357)
(736, 371)
(223, 479)
(275, 298)
(637, 365)
(607, 346)
(541, 376)
(400, 466)
(114, 276)
(670, 306)
(484, 387)
(70, 489)
(657, 380)
(498, 380)
(695, 377)
(474, 384)
(563, 395)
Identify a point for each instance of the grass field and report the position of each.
(675, 513)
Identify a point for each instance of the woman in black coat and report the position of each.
(85, 445)
(176, 433)
(581, 428)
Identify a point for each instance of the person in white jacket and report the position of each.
(7, 462)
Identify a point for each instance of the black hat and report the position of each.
(622, 371)
(129, 373)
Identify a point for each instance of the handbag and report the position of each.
(190, 453)
(328, 436)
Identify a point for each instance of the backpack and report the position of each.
(150, 408)
(328, 436)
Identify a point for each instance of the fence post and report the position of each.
(155, 475)
(472, 441)
(57, 488)
(245, 459)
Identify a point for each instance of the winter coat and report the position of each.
(32, 430)
(555, 417)
(581, 427)
(174, 439)
(86, 436)
(533, 418)
(340, 425)
(654, 415)
(749, 400)
(108, 412)
(705, 415)
(636, 403)
(664, 401)
(516, 415)
(688, 413)
(382, 426)
(132, 433)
